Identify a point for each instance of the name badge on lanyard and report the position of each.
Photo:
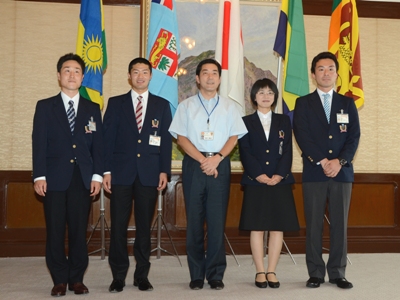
(92, 124)
(208, 135)
(154, 140)
(342, 118)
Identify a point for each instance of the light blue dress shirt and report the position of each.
(191, 119)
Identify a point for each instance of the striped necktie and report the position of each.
(71, 115)
(327, 107)
(139, 114)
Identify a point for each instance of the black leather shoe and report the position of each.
(272, 284)
(216, 284)
(117, 285)
(262, 284)
(196, 284)
(143, 284)
(314, 282)
(342, 283)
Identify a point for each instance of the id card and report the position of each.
(207, 135)
(342, 118)
(155, 140)
(92, 125)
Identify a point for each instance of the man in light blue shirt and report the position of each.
(207, 127)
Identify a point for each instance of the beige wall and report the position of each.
(34, 35)
(379, 117)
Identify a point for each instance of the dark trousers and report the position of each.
(68, 208)
(315, 198)
(120, 208)
(206, 200)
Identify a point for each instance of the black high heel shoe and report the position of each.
(261, 285)
(272, 284)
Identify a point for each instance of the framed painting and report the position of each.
(197, 23)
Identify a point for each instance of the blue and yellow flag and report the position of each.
(290, 44)
(163, 49)
(91, 46)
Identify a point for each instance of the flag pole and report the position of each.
(279, 105)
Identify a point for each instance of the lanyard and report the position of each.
(208, 114)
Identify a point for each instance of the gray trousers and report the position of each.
(315, 196)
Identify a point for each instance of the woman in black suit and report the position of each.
(268, 203)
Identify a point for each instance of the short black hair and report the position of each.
(208, 61)
(139, 60)
(70, 56)
(260, 84)
(324, 55)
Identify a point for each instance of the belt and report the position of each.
(209, 154)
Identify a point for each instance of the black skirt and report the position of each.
(268, 208)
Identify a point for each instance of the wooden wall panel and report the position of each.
(373, 219)
(234, 205)
(23, 210)
(298, 199)
(373, 204)
(180, 220)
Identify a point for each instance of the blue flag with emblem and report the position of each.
(91, 46)
(163, 49)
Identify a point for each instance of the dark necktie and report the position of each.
(71, 115)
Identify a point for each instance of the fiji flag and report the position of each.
(91, 46)
(163, 49)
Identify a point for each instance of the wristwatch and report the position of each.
(342, 161)
(220, 154)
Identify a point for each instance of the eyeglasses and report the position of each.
(268, 93)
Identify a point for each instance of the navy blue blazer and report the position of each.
(54, 148)
(318, 140)
(271, 157)
(127, 152)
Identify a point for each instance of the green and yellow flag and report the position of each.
(91, 46)
(290, 44)
(344, 42)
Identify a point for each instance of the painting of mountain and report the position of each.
(187, 83)
(187, 87)
(197, 22)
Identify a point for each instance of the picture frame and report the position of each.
(259, 20)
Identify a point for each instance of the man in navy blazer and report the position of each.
(327, 130)
(67, 155)
(137, 165)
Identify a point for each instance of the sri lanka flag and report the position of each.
(163, 49)
(91, 46)
(345, 44)
(290, 44)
